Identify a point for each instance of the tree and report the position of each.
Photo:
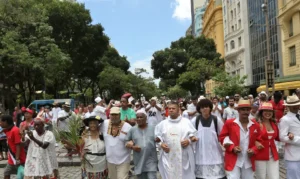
(176, 92)
(170, 63)
(197, 72)
(229, 85)
(29, 56)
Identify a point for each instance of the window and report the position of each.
(232, 28)
(239, 7)
(234, 13)
(291, 28)
(240, 23)
(240, 41)
(235, 27)
(226, 47)
(232, 44)
(292, 56)
(231, 14)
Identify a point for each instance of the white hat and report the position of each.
(200, 98)
(263, 92)
(292, 101)
(153, 99)
(141, 111)
(98, 100)
(227, 97)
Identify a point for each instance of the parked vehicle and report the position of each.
(37, 104)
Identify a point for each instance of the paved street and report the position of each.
(74, 172)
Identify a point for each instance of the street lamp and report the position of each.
(269, 65)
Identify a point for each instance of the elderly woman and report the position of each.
(142, 141)
(41, 156)
(267, 163)
(95, 167)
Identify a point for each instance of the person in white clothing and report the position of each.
(154, 112)
(41, 158)
(100, 109)
(191, 108)
(55, 111)
(217, 108)
(175, 134)
(90, 111)
(290, 134)
(230, 112)
(117, 155)
(209, 155)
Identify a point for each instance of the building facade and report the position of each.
(213, 28)
(236, 39)
(199, 12)
(289, 20)
(258, 41)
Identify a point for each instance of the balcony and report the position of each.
(288, 5)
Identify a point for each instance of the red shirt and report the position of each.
(268, 143)
(14, 138)
(279, 109)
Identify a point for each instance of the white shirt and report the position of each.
(243, 160)
(230, 113)
(185, 114)
(154, 115)
(290, 123)
(55, 113)
(116, 152)
(217, 113)
(64, 125)
(192, 108)
(100, 111)
(87, 115)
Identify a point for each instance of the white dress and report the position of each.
(39, 161)
(179, 163)
(98, 162)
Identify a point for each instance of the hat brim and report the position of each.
(115, 113)
(295, 104)
(87, 120)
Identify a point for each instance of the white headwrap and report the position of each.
(141, 111)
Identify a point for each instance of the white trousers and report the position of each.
(292, 169)
(240, 173)
(267, 169)
(118, 171)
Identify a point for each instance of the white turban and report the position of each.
(141, 111)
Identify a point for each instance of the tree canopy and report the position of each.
(52, 46)
(188, 62)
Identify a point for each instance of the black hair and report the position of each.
(231, 97)
(204, 103)
(194, 98)
(8, 119)
(216, 98)
(277, 97)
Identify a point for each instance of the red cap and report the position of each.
(29, 111)
(23, 109)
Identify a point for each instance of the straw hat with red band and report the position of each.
(266, 106)
(244, 104)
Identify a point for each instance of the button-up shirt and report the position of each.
(243, 160)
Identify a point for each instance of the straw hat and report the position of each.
(244, 104)
(266, 106)
(292, 101)
(115, 110)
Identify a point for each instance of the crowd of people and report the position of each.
(232, 137)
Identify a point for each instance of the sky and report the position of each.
(138, 28)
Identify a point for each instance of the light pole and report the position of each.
(193, 17)
(269, 65)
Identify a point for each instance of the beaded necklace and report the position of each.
(110, 129)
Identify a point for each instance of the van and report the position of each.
(37, 104)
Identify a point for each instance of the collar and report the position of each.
(237, 121)
(174, 120)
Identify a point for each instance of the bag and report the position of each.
(20, 173)
(215, 120)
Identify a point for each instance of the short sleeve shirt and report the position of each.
(13, 139)
(128, 113)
